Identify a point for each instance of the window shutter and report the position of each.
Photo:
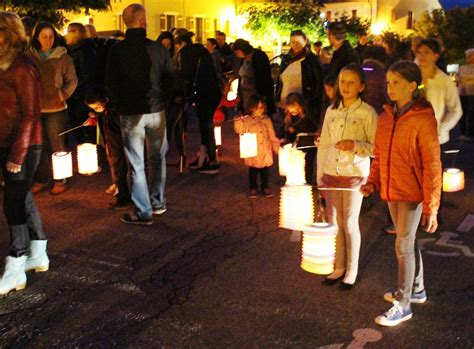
(162, 23)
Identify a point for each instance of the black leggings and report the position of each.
(253, 172)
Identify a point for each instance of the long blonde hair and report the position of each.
(14, 40)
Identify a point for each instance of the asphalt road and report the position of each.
(216, 271)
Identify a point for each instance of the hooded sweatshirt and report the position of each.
(58, 78)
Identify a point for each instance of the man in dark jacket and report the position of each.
(343, 54)
(138, 76)
(195, 70)
(83, 55)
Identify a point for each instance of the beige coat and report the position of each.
(266, 139)
(58, 79)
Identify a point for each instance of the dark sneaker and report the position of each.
(132, 218)
(393, 316)
(267, 193)
(159, 211)
(59, 188)
(390, 229)
(252, 193)
(38, 187)
(194, 165)
(119, 205)
(416, 297)
(209, 168)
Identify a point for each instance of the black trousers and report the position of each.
(205, 112)
(21, 213)
(467, 119)
(253, 173)
(116, 155)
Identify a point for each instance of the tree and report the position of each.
(273, 23)
(53, 10)
(454, 27)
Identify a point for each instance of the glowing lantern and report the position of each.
(248, 145)
(233, 90)
(453, 180)
(62, 165)
(296, 207)
(295, 174)
(218, 135)
(319, 248)
(283, 159)
(87, 161)
(296, 200)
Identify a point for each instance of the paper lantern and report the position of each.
(233, 90)
(62, 165)
(248, 145)
(453, 180)
(283, 159)
(319, 248)
(295, 174)
(87, 162)
(296, 207)
(218, 135)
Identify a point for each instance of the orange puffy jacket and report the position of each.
(407, 164)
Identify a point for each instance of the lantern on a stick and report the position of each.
(62, 165)
(283, 158)
(87, 161)
(319, 248)
(296, 200)
(218, 135)
(233, 90)
(453, 180)
(248, 145)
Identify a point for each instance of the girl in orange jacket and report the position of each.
(407, 171)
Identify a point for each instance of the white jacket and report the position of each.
(443, 95)
(358, 123)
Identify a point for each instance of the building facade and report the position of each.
(205, 17)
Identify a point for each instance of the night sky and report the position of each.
(448, 4)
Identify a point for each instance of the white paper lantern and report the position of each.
(248, 145)
(62, 165)
(233, 90)
(296, 207)
(283, 159)
(319, 248)
(87, 161)
(453, 180)
(295, 174)
(218, 135)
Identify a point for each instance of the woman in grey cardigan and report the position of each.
(59, 81)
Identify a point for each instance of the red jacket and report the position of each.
(407, 165)
(20, 115)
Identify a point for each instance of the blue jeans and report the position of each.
(138, 130)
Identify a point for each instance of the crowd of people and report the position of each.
(352, 104)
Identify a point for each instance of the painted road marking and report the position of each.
(446, 240)
(362, 336)
(467, 224)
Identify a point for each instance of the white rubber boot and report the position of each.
(37, 258)
(14, 277)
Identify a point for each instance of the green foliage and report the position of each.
(455, 28)
(269, 22)
(52, 10)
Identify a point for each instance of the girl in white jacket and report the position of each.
(347, 142)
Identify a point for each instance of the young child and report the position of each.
(267, 141)
(297, 120)
(347, 142)
(97, 101)
(407, 170)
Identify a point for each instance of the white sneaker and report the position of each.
(37, 258)
(14, 277)
(394, 316)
